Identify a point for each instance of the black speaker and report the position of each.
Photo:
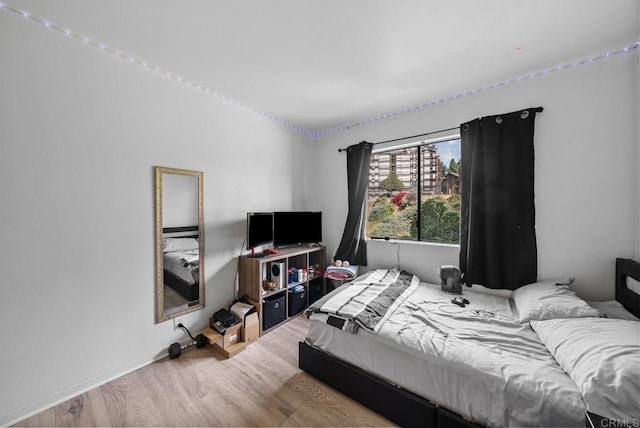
(277, 274)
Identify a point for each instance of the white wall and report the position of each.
(586, 189)
(80, 133)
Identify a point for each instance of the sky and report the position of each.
(449, 150)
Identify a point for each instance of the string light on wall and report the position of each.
(144, 64)
(529, 76)
(284, 123)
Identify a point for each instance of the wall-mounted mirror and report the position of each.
(179, 242)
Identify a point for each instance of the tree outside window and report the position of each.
(414, 193)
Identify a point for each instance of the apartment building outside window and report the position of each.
(414, 192)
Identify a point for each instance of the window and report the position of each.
(428, 172)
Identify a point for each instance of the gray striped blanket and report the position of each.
(367, 301)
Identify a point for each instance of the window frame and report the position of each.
(413, 144)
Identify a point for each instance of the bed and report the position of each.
(180, 262)
(534, 359)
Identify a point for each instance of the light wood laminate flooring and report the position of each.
(261, 386)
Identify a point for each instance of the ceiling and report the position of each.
(321, 65)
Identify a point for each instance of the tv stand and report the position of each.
(298, 246)
(254, 271)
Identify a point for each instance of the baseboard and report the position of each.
(24, 412)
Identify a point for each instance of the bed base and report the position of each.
(188, 291)
(394, 403)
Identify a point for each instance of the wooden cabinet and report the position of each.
(292, 293)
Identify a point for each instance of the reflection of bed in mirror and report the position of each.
(180, 261)
(179, 242)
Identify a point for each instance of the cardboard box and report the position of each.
(231, 336)
(231, 350)
(217, 341)
(251, 329)
(211, 335)
(257, 305)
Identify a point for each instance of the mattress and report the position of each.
(477, 361)
(172, 262)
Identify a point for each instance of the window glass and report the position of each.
(398, 178)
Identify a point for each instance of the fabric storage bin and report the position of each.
(273, 310)
(297, 300)
(316, 289)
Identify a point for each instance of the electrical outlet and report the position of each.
(177, 321)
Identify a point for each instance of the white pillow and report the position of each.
(602, 357)
(614, 309)
(170, 245)
(548, 300)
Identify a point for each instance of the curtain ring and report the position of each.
(465, 126)
(499, 120)
(524, 114)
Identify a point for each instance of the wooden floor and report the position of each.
(261, 386)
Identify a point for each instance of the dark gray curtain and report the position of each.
(353, 245)
(497, 225)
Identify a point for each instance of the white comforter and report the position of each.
(175, 262)
(477, 361)
(513, 372)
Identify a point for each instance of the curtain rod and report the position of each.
(524, 114)
(406, 138)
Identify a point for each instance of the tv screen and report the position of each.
(259, 229)
(296, 227)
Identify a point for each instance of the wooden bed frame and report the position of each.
(406, 408)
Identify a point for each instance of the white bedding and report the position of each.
(172, 261)
(477, 361)
(602, 356)
(614, 309)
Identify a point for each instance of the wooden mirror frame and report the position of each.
(161, 314)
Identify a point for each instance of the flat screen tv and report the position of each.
(296, 227)
(259, 229)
